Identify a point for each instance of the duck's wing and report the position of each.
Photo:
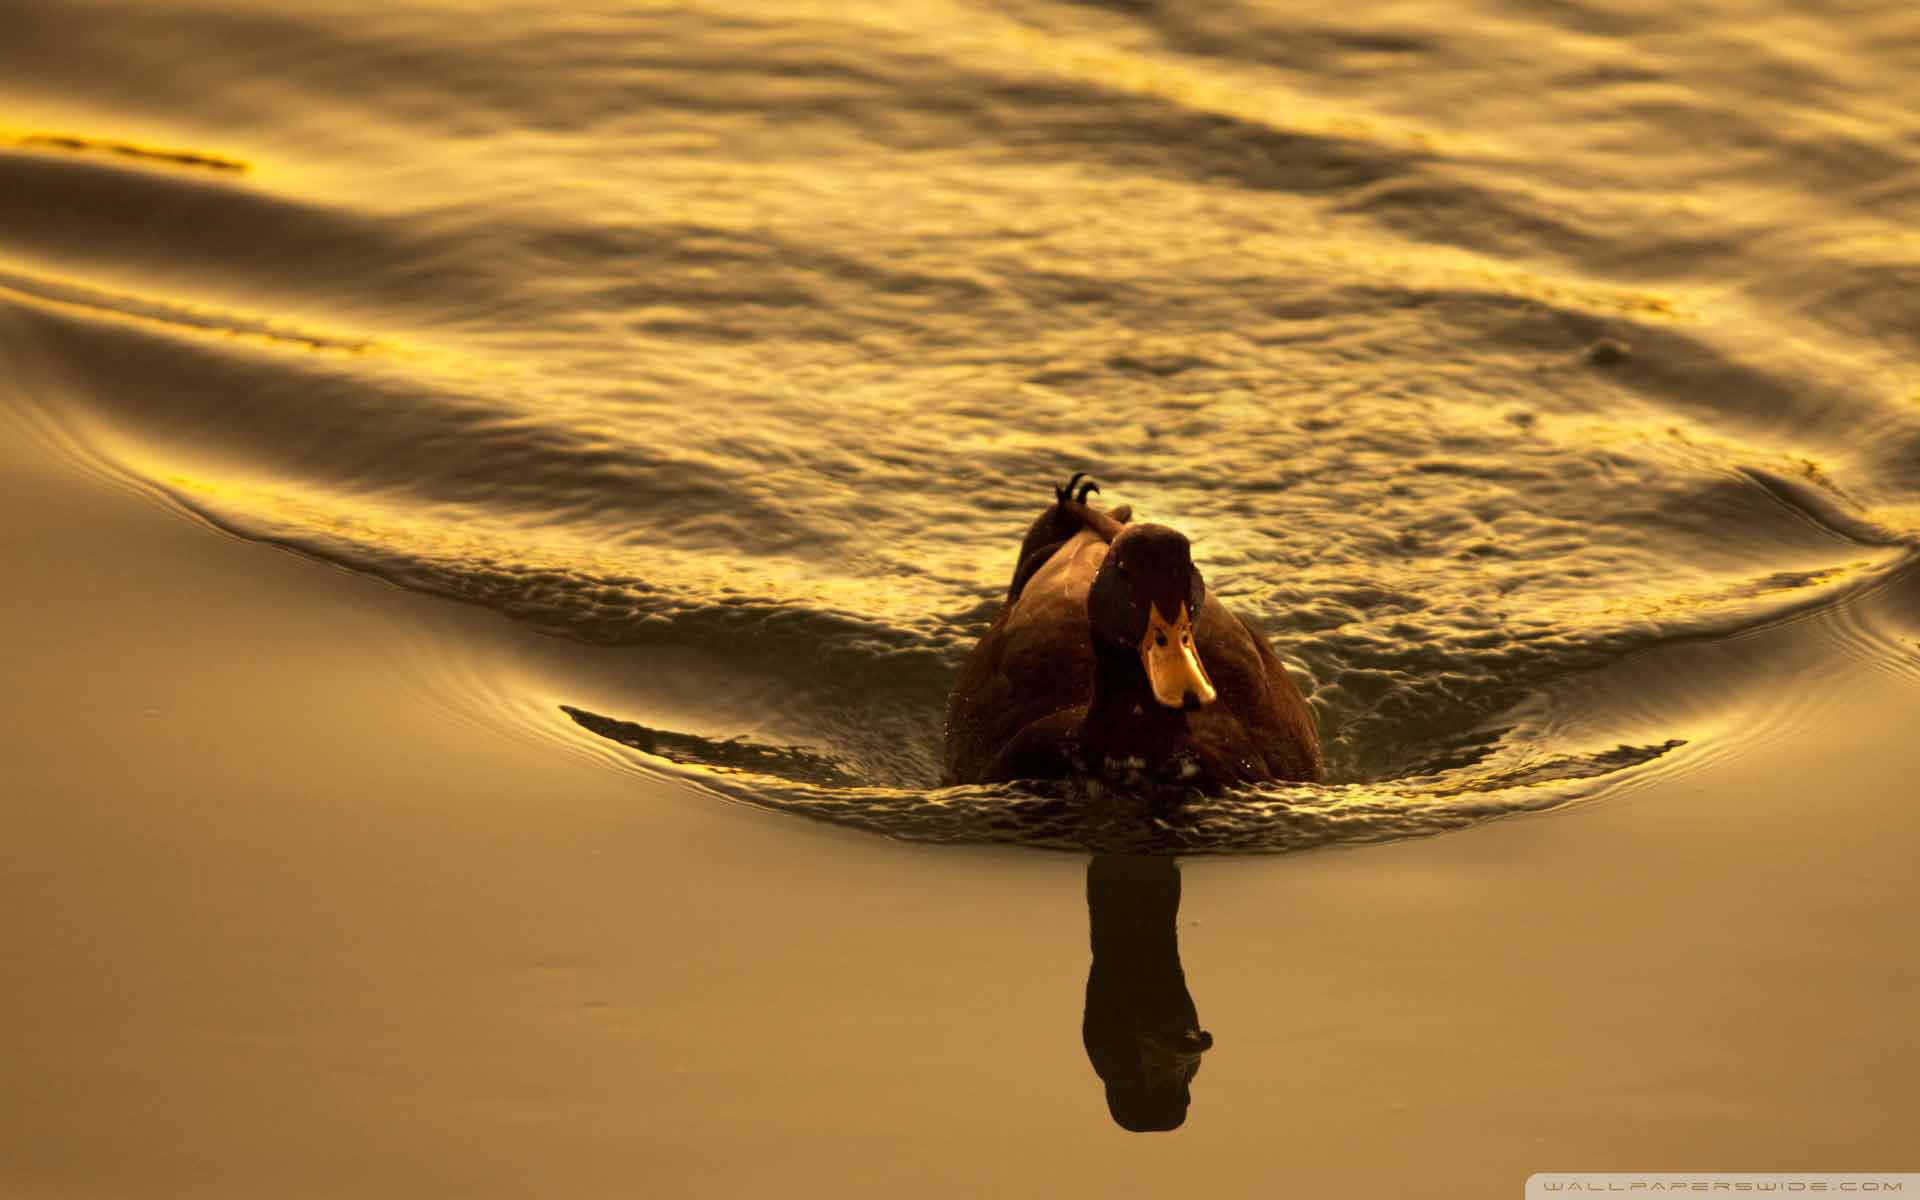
(1033, 663)
(1259, 715)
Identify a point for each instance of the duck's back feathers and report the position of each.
(1034, 662)
(1052, 529)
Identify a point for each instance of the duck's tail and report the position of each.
(1066, 516)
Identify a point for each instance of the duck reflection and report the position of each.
(1141, 1030)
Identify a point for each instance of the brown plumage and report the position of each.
(1095, 669)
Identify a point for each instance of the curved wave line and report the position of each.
(90, 145)
(65, 294)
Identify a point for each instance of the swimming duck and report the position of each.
(1110, 661)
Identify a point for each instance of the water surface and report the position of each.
(1479, 350)
(1537, 375)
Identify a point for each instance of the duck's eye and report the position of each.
(1160, 639)
(1186, 639)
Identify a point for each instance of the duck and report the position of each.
(1110, 662)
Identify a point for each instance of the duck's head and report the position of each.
(1144, 601)
(1154, 1097)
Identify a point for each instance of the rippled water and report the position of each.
(1497, 358)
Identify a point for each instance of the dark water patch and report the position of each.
(1464, 212)
(1240, 33)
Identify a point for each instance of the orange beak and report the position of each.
(1174, 670)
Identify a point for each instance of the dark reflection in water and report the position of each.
(1141, 1030)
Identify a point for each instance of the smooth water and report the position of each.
(1522, 370)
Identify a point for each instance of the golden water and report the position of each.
(1477, 348)
(1538, 376)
